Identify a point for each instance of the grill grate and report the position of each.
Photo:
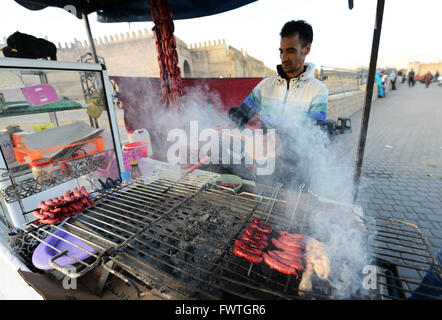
(180, 242)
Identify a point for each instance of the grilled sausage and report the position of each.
(76, 193)
(43, 206)
(242, 245)
(50, 221)
(84, 192)
(278, 266)
(50, 203)
(278, 244)
(253, 244)
(255, 233)
(262, 228)
(260, 244)
(257, 221)
(295, 264)
(289, 242)
(289, 255)
(68, 197)
(250, 257)
(295, 236)
(55, 210)
(38, 215)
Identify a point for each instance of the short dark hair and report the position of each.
(302, 28)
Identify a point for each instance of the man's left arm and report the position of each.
(318, 106)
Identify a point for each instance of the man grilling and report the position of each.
(288, 101)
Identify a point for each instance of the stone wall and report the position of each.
(134, 54)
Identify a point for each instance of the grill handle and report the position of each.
(68, 271)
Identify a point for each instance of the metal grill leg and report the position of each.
(103, 278)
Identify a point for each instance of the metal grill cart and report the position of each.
(174, 240)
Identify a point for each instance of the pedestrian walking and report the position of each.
(427, 78)
(393, 79)
(411, 81)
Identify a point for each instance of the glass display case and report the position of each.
(58, 129)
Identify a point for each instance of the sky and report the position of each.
(342, 37)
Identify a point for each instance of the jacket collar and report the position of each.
(308, 73)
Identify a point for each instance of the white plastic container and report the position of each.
(141, 135)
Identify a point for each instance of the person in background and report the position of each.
(436, 76)
(411, 81)
(427, 78)
(393, 79)
(404, 77)
(384, 78)
(378, 80)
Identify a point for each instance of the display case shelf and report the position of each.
(62, 105)
(69, 170)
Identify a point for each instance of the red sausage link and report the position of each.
(38, 215)
(289, 255)
(250, 257)
(55, 210)
(278, 244)
(50, 221)
(84, 192)
(278, 266)
(295, 264)
(295, 236)
(260, 243)
(68, 197)
(43, 206)
(254, 233)
(76, 193)
(262, 228)
(50, 203)
(288, 242)
(242, 245)
(254, 244)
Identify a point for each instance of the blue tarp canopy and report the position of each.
(136, 10)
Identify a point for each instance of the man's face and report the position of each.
(293, 54)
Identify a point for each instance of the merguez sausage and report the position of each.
(258, 235)
(278, 266)
(84, 192)
(250, 257)
(242, 245)
(288, 242)
(289, 255)
(259, 243)
(278, 244)
(43, 206)
(262, 228)
(295, 236)
(295, 264)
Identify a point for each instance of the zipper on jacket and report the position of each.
(287, 92)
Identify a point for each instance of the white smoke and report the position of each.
(323, 166)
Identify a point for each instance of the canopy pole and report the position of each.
(89, 35)
(93, 121)
(368, 96)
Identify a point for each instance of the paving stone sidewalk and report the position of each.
(402, 168)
